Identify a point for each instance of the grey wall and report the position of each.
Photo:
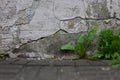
(25, 21)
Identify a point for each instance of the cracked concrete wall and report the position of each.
(23, 21)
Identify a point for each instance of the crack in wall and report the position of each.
(32, 9)
(85, 15)
(90, 18)
(16, 49)
(61, 30)
(86, 19)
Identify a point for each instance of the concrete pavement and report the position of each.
(22, 69)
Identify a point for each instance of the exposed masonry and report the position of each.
(52, 54)
(87, 19)
(26, 22)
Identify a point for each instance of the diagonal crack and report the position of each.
(16, 49)
(89, 18)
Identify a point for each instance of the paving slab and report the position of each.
(62, 62)
(28, 73)
(69, 72)
(82, 62)
(58, 70)
(10, 69)
(47, 73)
(100, 62)
(52, 62)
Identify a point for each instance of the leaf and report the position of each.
(117, 60)
(98, 55)
(106, 43)
(80, 49)
(90, 35)
(68, 47)
(115, 55)
(81, 39)
(107, 56)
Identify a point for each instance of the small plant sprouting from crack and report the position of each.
(108, 46)
(82, 44)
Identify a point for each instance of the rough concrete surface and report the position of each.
(25, 21)
(58, 70)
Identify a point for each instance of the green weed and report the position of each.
(82, 43)
(108, 44)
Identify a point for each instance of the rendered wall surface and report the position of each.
(40, 24)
